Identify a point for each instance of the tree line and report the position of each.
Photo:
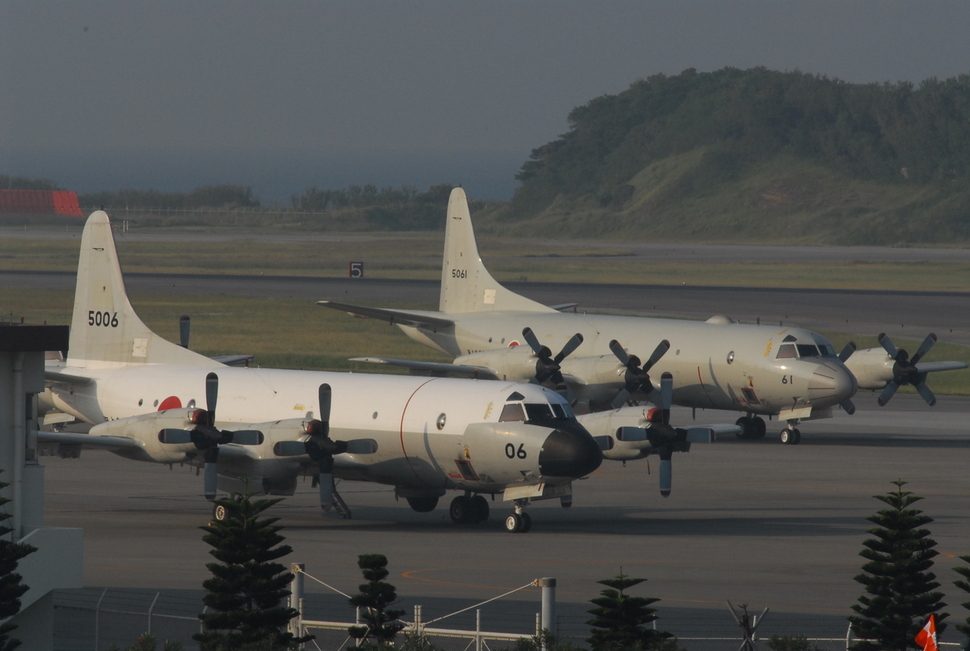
(888, 133)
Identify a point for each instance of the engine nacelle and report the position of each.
(517, 363)
(621, 433)
(145, 428)
(872, 368)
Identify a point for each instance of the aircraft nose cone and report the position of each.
(569, 453)
(832, 382)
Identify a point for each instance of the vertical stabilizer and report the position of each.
(105, 330)
(466, 285)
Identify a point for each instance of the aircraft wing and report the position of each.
(415, 318)
(433, 368)
(88, 441)
(932, 367)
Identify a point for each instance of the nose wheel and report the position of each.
(791, 436)
(518, 522)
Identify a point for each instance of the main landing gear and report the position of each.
(465, 509)
(518, 522)
(752, 427)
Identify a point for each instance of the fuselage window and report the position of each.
(807, 350)
(512, 412)
(786, 351)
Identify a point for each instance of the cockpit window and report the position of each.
(807, 350)
(515, 396)
(512, 412)
(790, 338)
(538, 411)
(535, 412)
(786, 351)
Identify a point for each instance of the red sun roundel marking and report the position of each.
(513, 343)
(171, 402)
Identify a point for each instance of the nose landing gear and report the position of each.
(518, 522)
(790, 435)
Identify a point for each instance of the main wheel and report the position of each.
(460, 510)
(759, 427)
(479, 509)
(513, 523)
(745, 427)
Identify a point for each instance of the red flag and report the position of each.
(926, 638)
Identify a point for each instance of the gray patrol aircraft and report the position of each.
(491, 332)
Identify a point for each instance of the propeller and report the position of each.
(663, 437)
(547, 366)
(636, 377)
(185, 328)
(207, 437)
(321, 448)
(846, 353)
(905, 371)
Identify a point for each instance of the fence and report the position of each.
(96, 619)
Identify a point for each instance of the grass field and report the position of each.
(418, 255)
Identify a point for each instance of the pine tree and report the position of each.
(900, 586)
(247, 588)
(374, 598)
(964, 584)
(11, 589)
(619, 619)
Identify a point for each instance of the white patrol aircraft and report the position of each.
(790, 373)
(145, 397)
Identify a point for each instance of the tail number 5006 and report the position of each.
(106, 319)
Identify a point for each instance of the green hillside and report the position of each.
(756, 155)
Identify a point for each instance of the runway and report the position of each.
(755, 522)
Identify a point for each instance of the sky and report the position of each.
(282, 96)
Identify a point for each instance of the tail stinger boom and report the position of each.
(466, 285)
(105, 330)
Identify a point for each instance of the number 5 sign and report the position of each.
(355, 269)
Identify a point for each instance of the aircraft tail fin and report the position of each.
(105, 331)
(466, 285)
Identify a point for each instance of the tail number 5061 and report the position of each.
(106, 319)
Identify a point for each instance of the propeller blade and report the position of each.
(700, 435)
(925, 391)
(847, 406)
(211, 476)
(887, 343)
(887, 393)
(620, 398)
(618, 351)
(924, 347)
(185, 327)
(666, 476)
(326, 482)
(247, 437)
(847, 351)
(666, 395)
(631, 434)
(170, 436)
(325, 398)
(211, 396)
(532, 340)
(571, 345)
(658, 352)
(361, 446)
(289, 448)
